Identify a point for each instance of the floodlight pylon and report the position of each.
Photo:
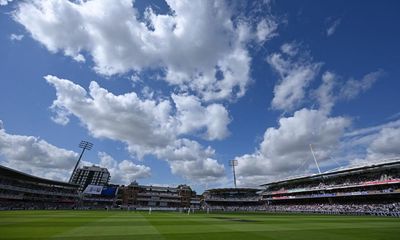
(85, 145)
(233, 163)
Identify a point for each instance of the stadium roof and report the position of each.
(11, 173)
(232, 189)
(336, 172)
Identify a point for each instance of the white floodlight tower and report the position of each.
(85, 146)
(315, 159)
(233, 163)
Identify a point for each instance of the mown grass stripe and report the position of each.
(78, 225)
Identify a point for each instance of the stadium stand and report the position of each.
(135, 196)
(19, 191)
(367, 190)
(23, 191)
(231, 199)
(195, 201)
(98, 197)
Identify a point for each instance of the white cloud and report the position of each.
(361, 146)
(144, 124)
(61, 115)
(332, 89)
(124, 171)
(295, 75)
(16, 37)
(36, 156)
(285, 150)
(332, 28)
(147, 126)
(394, 116)
(383, 145)
(373, 130)
(352, 88)
(5, 2)
(387, 142)
(296, 70)
(266, 29)
(325, 92)
(192, 116)
(194, 45)
(79, 58)
(289, 49)
(207, 170)
(192, 161)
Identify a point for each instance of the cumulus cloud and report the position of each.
(147, 126)
(192, 116)
(36, 156)
(207, 170)
(124, 171)
(296, 71)
(144, 124)
(196, 44)
(16, 37)
(285, 150)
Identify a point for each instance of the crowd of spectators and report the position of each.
(20, 194)
(384, 209)
(37, 205)
(335, 208)
(30, 187)
(237, 208)
(233, 199)
(231, 195)
(336, 181)
(371, 190)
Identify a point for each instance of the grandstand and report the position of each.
(135, 196)
(231, 199)
(366, 190)
(23, 191)
(372, 190)
(98, 197)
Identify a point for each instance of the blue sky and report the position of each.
(169, 92)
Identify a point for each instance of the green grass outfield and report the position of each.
(99, 225)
